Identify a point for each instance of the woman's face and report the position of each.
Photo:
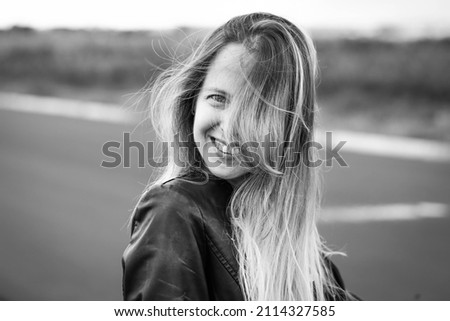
(211, 114)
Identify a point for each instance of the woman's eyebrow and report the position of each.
(217, 90)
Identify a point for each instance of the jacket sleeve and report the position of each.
(164, 259)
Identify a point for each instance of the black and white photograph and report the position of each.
(225, 151)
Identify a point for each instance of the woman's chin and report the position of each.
(229, 173)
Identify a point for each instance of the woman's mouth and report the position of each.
(222, 147)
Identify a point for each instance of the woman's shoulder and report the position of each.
(198, 186)
(183, 196)
(188, 190)
(166, 208)
(339, 293)
(168, 246)
(166, 200)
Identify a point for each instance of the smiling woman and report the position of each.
(226, 227)
(212, 113)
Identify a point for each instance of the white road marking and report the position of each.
(356, 142)
(384, 212)
(92, 111)
(390, 146)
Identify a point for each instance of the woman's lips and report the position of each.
(221, 146)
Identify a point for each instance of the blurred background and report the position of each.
(69, 74)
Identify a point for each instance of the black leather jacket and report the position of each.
(180, 246)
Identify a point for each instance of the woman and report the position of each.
(238, 220)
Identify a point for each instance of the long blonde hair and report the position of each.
(273, 211)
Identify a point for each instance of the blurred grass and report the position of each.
(397, 88)
(365, 84)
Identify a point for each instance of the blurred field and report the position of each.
(365, 84)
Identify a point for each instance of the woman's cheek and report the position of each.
(201, 124)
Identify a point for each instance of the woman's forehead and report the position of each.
(226, 70)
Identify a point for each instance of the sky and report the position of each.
(413, 16)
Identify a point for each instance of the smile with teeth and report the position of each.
(222, 147)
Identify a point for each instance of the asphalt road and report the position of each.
(63, 217)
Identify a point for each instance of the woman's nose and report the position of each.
(221, 120)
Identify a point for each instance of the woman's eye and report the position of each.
(216, 99)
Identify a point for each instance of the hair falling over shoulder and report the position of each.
(273, 212)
